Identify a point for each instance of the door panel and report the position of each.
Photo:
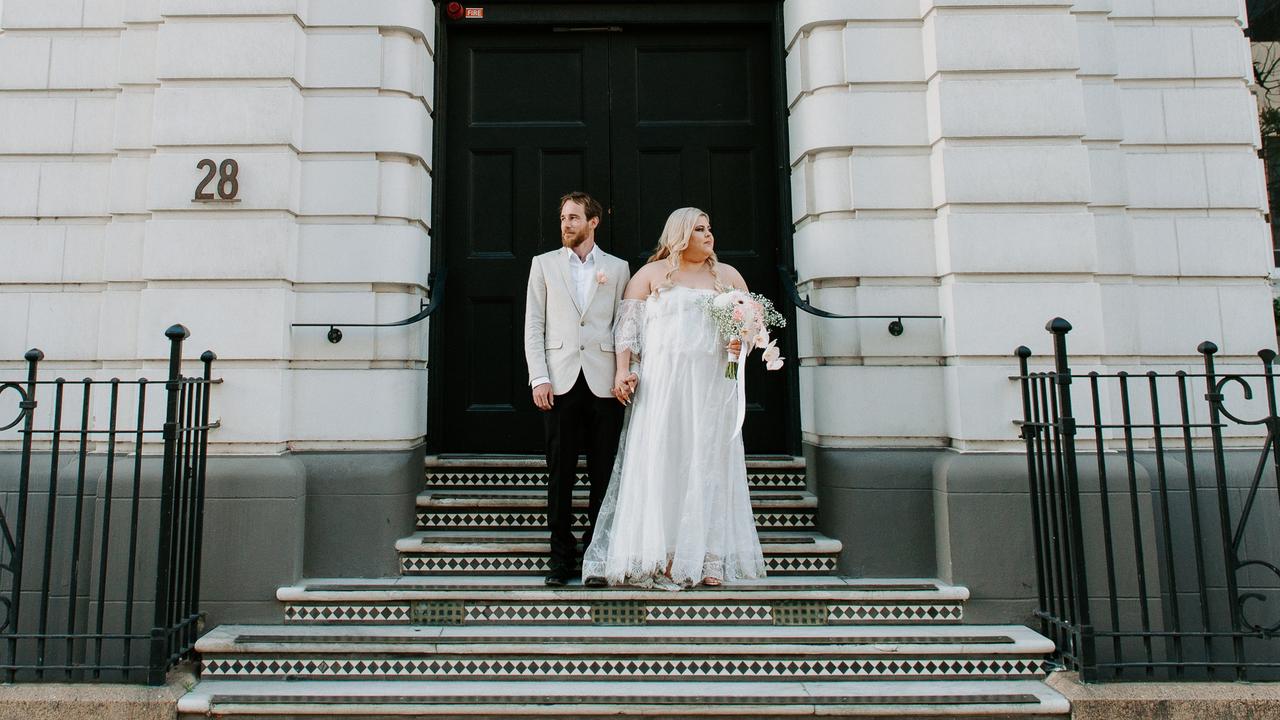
(646, 120)
(692, 125)
(527, 119)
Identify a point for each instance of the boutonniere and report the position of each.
(601, 278)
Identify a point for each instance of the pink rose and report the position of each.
(601, 278)
(775, 365)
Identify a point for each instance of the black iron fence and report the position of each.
(1156, 516)
(100, 537)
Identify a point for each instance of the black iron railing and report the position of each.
(100, 541)
(802, 303)
(426, 308)
(1155, 516)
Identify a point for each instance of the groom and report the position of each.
(573, 295)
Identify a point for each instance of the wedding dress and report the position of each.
(678, 494)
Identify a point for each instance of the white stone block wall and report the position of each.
(105, 109)
(1001, 162)
(997, 162)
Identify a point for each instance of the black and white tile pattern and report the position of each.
(496, 564)
(585, 667)
(454, 520)
(392, 613)
(537, 479)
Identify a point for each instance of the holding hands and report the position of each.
(624, 386)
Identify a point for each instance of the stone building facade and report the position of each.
(992, 162)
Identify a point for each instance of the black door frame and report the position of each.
(578, 15)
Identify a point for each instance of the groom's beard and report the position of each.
(573, 240)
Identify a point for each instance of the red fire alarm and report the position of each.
(453, 11)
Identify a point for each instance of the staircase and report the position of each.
(470, 631)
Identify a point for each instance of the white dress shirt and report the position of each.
(582, 272)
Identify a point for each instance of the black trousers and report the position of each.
(578, 421)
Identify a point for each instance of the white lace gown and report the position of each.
(679, 489)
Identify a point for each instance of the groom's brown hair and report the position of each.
(588, 203)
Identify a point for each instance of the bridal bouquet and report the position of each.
(748, 317)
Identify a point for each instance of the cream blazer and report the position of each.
(562, 339)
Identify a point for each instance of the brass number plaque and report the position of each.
(227, 176)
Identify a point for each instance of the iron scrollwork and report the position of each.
(1217, 400)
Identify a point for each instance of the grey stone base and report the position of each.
(962, 518)
(271, 521)
(268, 522)
(1167, 700)
(87, 701)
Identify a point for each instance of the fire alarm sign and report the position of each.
(474, 12)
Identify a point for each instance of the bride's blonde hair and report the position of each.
(675, 240)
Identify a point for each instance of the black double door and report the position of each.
(646, 120)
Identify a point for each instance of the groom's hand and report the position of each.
(543, 397)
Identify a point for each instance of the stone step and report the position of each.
(528, 471)
(507, 508)
(575, 653)
(522, 600)
(524, 552)
(974, 700)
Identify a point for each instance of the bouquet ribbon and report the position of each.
(742, 390)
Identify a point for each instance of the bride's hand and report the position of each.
(624, 386)
(734, 347)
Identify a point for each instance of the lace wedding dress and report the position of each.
(679, 491)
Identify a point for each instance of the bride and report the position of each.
(678, 510)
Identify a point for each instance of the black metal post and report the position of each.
(160, 632)
(28, 406)
(1268, 358)
(207, 358)
(1028, 436)
(1230, 562)
(1071, 481)
(1104, 504)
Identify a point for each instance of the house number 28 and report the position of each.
(227, 186)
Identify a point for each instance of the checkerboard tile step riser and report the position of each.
(664, 614)
(625, 668)
(490, 479)
(537, 565)
(792, 520)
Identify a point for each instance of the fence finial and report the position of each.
(34, 355)
(1023, 351)
(177, 332)
(1207, 348)
(1058, 325)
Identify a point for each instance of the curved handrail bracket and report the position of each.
(802, 303)
(435, 298)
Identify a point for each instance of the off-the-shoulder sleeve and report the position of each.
(628, 328)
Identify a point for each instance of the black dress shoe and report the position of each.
(595, 582)
(556, 579)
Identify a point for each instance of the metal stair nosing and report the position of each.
(1026, 700)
